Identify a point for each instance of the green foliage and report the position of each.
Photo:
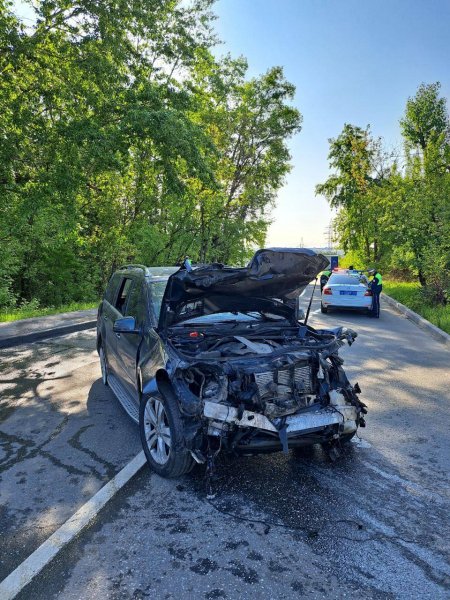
(123, 139)
(397, 219)
(355, 188)
(426, 116)
(411, 295)
(32, 309)
(352, 257)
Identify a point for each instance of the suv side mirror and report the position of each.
(125, 325)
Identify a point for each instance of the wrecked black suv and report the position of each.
(212, 358)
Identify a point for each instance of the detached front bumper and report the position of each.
(312, 420)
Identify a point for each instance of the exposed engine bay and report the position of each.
(264, 384)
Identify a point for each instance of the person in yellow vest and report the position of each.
(324, 277)
(375, 286)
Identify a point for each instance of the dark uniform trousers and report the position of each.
(376, 291)
(376, 304)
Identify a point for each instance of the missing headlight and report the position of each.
(206, 383)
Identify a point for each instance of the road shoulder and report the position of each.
(420, 321)
(26, 331)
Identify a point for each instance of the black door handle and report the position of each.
(105, 318)
(118, 336)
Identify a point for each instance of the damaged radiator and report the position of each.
(300, 375)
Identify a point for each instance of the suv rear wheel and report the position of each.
(161, 431)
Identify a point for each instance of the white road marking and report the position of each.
(440, 496)
(47, 551)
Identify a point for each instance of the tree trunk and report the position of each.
(367, 248)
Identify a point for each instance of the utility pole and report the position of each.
(329, 234)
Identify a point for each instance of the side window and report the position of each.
(111, 289)
(122, 297)
(136, 306)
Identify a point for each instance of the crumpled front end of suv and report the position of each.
(245, 373)
(269, 388)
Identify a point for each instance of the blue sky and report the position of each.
(354, 61)
(351, 61)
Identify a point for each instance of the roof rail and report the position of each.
(143, 267)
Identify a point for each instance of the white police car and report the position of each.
(346, 289)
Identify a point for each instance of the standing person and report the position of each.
(376, 286)
(324, 278)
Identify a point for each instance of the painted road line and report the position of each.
(26, 571)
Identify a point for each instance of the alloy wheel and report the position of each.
(157, 431)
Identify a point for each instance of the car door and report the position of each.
(108, 316)
(117, 311)
(153, 353)
(128, 344)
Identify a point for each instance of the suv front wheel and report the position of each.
(161, 430)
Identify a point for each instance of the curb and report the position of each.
(437, 333)
(40, 558)
(27, 338)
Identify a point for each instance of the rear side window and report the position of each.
(122, 297)
(110, 293)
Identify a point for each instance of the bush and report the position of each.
(411, 294)
(436, 271)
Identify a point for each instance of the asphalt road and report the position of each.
(374, 524)
(62, 437)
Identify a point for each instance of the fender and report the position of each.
(161, 385)
(151, 388)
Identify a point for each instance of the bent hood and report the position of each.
(271, 282)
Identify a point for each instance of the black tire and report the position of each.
(179, 459)
(347, 438)
(323, 309)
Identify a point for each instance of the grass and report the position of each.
(31, 311)
(409, 294)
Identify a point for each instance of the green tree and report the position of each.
(426, 116)
(399, 216)
(355, 188)
(425, 126)
(250, 122)
(124, 139)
